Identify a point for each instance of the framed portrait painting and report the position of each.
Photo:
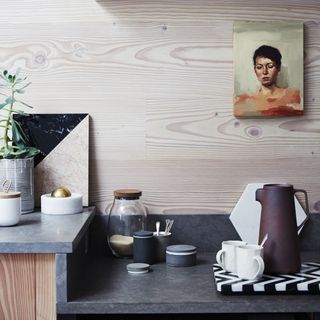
(268, 69)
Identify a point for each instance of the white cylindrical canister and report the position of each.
(10, 208)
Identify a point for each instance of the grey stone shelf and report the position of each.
(106, 287)
(41, 233)
(103, 286)
(88, 281)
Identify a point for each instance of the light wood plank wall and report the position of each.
(156, 78)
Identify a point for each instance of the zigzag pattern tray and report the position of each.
(307, 281)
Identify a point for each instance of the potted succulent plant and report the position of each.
(16, 157)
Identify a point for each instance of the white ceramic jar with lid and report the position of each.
(10, 208)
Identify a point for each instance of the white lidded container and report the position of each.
(10, 208)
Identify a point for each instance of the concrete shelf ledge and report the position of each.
(106, 287)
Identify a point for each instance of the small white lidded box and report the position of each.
(10, 208)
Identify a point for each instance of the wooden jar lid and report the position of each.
(9, 195)
(127, 193)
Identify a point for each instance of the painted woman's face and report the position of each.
(266, 71)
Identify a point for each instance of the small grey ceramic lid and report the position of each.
(138, 267)
(181, 248)
(143, 234)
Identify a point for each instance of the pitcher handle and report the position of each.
(307, 208)
(259, 193)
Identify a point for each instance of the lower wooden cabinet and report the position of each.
(27, 287)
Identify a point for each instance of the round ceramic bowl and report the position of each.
(68, 205)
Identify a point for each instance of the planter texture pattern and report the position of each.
(20, 173)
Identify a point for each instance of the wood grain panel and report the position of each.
(45, 287)
(202, 186)
(17, 290)
(156, 78)
(163, 10)
(197, 130)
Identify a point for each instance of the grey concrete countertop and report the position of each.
(106, 287)
(42, 233)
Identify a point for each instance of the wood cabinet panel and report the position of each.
(27, 290)
(45, 287)
(17, 289)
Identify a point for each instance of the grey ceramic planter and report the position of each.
(21, 174)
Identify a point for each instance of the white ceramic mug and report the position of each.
(250, 265)
(227, 256)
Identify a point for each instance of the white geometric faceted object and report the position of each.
(245, 216)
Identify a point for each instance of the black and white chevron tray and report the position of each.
(307, 281)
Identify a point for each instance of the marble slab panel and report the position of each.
(63, 140)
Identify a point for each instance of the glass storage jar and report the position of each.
(127, 215)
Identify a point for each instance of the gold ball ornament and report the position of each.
(61, 192)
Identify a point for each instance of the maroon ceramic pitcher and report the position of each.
(278, 220)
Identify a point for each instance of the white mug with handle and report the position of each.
(250, 264)
(227, 256)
